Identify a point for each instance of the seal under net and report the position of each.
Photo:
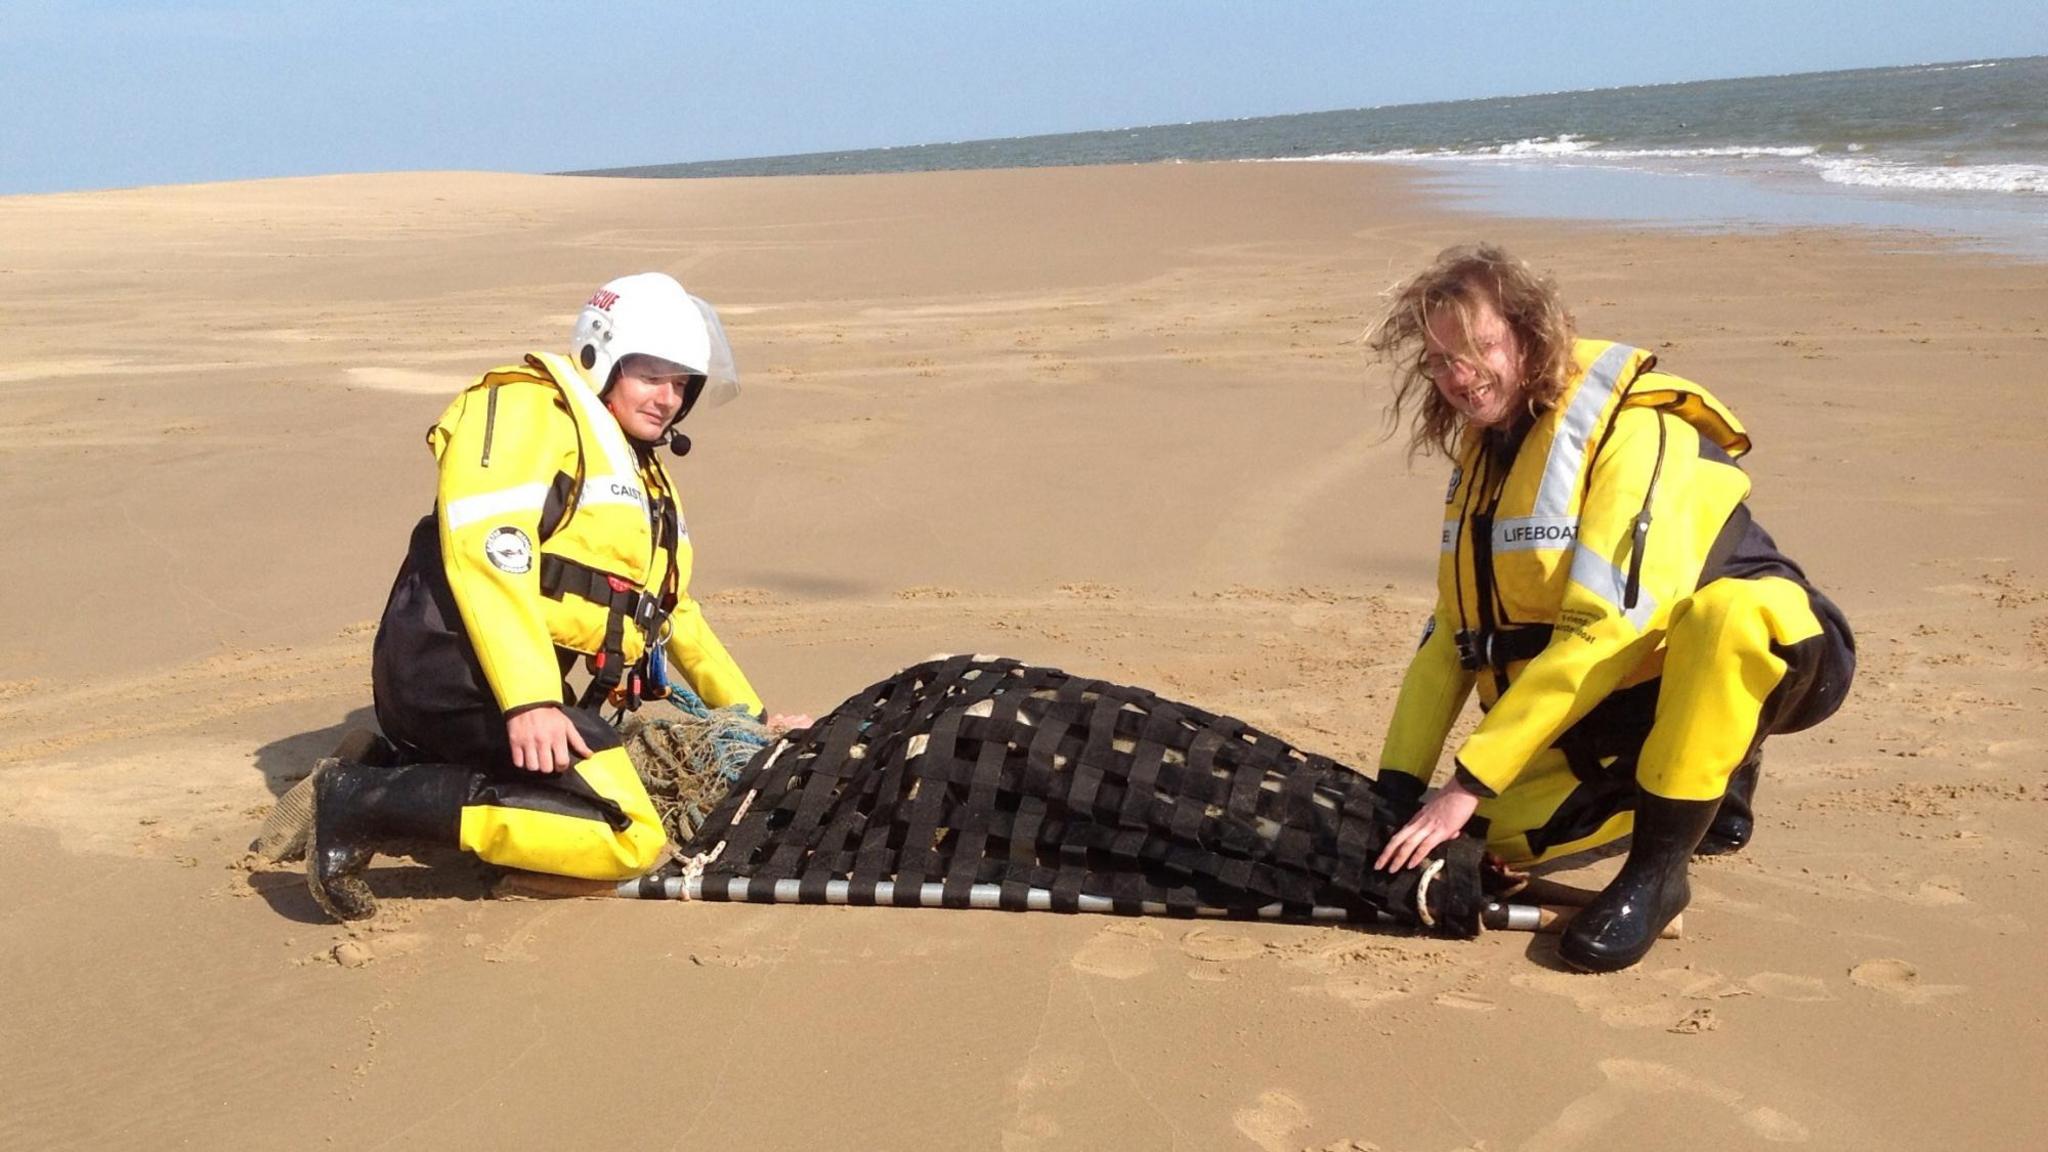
(981, 782)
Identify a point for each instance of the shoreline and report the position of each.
(1706, 203)
(1561, 191)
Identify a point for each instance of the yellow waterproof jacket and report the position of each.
(1554, 540)
(545, 511)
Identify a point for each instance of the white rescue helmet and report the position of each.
(649, 314)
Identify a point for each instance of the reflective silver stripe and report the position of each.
(1606, 580)
(1450, 534)
(470, 509)
(1535, 533)
(1568, 447)
(603, 425)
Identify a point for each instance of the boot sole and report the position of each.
(282, 838)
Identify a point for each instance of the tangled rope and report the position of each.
(689, 762)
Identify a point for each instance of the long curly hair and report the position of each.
(1460, 279)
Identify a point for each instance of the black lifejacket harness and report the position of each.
(623, 600)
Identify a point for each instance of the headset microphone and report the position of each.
(677, 442)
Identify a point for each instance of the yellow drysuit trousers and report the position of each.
(1743, 658)
(594, 821)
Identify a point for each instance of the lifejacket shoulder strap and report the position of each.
(622, 600)
(547, 368)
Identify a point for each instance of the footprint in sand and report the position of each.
(1619, 1001)
(1594, 1119)
(1028, 1132)
(1031, 1125)
(1900, 979)
(1119, 952)
(1362, 993)
(1219, 947)
(1272, 1120)
(1690, 983)
(1790, 988)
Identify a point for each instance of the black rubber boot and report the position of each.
(360, 809)
(1734, 823)
(1620, 925)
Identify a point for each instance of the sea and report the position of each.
(1956, 152)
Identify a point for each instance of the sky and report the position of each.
(119, 93)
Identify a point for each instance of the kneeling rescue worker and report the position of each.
(556, 537)
(1634, 634)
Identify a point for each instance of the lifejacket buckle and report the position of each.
(1475, 649)
(647, 615)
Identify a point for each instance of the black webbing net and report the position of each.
(980, 774)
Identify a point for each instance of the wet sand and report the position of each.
(1110, 419)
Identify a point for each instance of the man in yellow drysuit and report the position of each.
(557, 538)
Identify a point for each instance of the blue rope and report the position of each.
(735, 735)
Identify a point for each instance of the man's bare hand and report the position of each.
(779, 724)
(545, 740)
(1434, 823)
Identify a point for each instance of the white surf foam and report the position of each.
(1873, 173)
(1858, 169)
(1561, 147)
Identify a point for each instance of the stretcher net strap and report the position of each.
(977, 771)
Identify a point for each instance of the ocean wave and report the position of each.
(1858, 168)
(1541, 146)
(1871, 173)
(1732, 151)
(1563, 147)
(1344, 157)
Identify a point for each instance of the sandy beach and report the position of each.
(1110, 419)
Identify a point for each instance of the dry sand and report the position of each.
(1107, 419)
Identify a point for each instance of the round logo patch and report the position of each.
(509, 550)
